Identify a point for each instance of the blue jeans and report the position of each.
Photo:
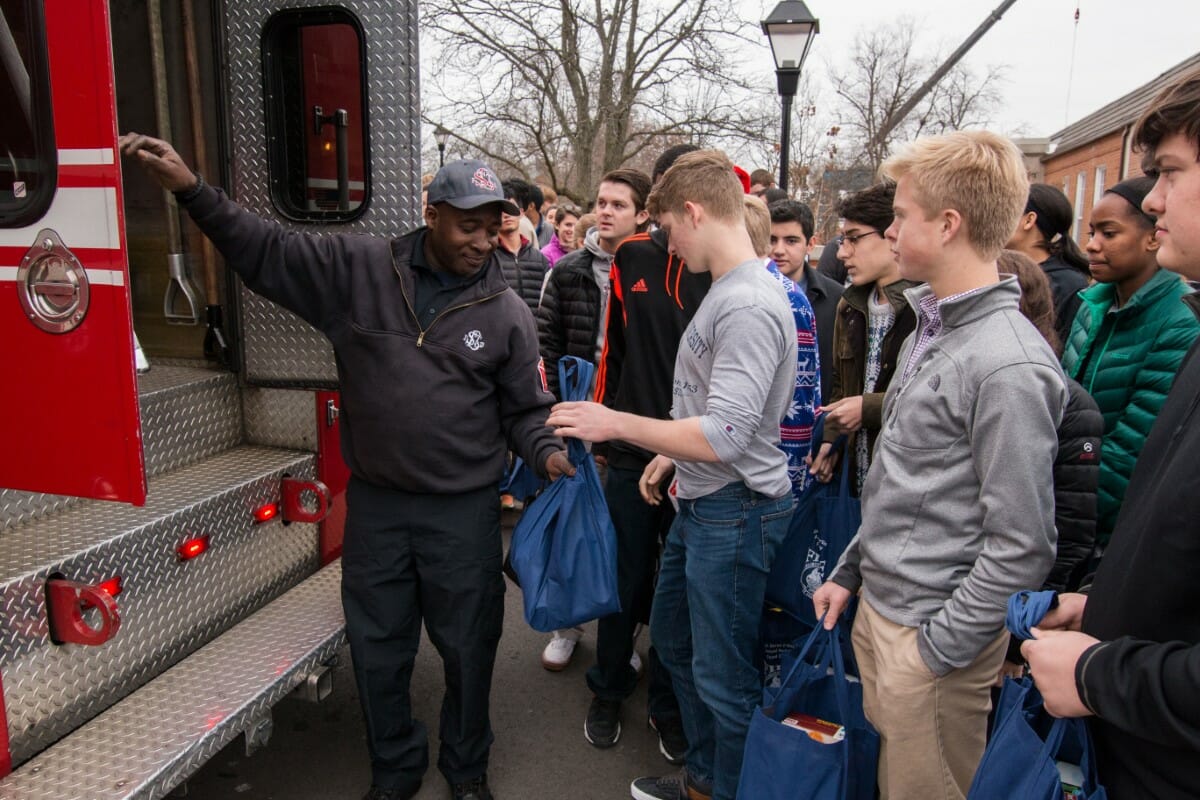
(705, 621)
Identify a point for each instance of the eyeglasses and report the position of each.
(852, 240)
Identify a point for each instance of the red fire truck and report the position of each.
(169, 536)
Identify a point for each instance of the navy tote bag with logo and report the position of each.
(826, 518)
(564, 549)
(782, 762)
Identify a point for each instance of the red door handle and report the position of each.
(293, 490)
(65, 601)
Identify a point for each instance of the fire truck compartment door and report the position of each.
(351, 74)
(69, 419)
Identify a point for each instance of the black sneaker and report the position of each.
(603, 724)
(668, 787)
(476, 789)
(672, 742)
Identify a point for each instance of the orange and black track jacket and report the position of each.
(653, 299)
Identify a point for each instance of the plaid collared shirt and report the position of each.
(929, 326)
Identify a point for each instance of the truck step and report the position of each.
(150, 742)
(168, 606)
(188, 414)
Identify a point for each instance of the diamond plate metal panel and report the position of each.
(188, 414)
(278, 346)
(230, 682)
(168, 607)
(281, 418)
(19, 507)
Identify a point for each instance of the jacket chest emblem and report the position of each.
(935, 382)
(474, 340)
(640, 286)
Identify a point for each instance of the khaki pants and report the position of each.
(932, 730)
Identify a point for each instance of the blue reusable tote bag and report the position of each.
(826, 518)
(784, 763)
(564, 548)
(1020, 760)
(1022, 755)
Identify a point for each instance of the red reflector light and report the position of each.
(266, 513)
(111, 587)
(192, 548)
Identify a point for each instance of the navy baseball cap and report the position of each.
(467, 184)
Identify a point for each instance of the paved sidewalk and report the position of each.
(318, 751)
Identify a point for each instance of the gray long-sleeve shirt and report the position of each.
(735, 369)
(958, 507)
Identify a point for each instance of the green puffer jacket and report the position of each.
(1127, 359)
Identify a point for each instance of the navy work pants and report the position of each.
(412, 557)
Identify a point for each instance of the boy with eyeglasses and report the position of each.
(873, 319)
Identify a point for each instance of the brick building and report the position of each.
(1095, 153)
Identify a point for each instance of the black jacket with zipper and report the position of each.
(568, 319)
(823, 294)
(654, 297)
(524, 270)
(423, 410)
(1144, 606)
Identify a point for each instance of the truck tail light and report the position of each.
(266, 513)
(192, 548)
(111, 587)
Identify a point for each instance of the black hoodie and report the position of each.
(423, 410)
(654, 297)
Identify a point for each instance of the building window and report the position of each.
(1080, 187)
(317, 144)
(28, 154)
(1098, 190)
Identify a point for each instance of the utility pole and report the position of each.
(940, 72)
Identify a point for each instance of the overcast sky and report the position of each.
(1121, 45)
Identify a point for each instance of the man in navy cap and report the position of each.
(438, 364)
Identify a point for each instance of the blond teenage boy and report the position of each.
(957, 507)
(733, 381)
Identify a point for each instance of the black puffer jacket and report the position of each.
(525, 271)
(1076, 475)
(568, 320)
(1066, 283)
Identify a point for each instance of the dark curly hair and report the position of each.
(871, 206)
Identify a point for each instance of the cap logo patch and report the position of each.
(484, 179)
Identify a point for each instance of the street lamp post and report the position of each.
(790, 29)
(441, 136)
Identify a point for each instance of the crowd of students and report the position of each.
(1019, 414)
(997, 385)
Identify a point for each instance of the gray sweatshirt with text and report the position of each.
(736, 369)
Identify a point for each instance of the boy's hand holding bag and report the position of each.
(810, 738)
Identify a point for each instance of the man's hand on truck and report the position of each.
(160, 160)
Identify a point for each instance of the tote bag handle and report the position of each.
(574, 381)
